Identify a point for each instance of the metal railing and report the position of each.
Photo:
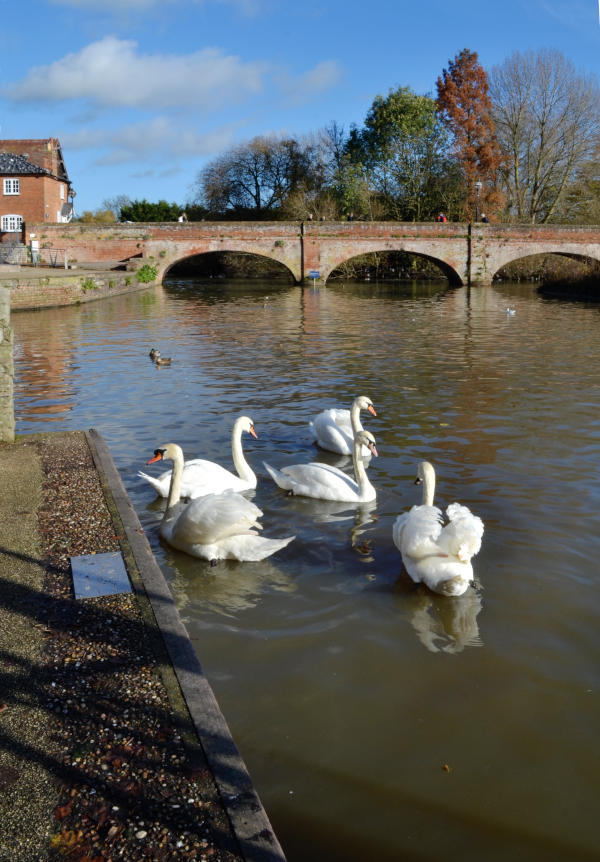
(23, 255)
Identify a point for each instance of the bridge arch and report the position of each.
(502, 261)
(206, 263)
(447, 270)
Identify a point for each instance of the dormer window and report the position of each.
(12, 187)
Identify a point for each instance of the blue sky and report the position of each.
(142, 93)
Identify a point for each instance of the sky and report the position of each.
(142, 94)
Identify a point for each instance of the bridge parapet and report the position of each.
(466, 253)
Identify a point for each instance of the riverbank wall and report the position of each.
(7, 416)
(31, 288)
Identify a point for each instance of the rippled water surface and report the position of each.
(378, 721)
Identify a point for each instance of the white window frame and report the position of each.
(12, 186)
(62, 192)
(11, 223)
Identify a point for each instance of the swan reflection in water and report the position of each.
(226, 589)
(444, 623)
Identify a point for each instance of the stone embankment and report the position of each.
(7, 418)
(42, 287)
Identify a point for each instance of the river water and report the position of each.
(378, 721)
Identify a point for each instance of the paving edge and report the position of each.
(249, 821)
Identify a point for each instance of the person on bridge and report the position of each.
(484, 218)
(441, 217)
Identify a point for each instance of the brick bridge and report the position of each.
(466, 254)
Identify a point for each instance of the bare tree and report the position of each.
(256, 176)
(547, 119)
(116, 204)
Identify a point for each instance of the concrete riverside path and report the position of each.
(34, 770)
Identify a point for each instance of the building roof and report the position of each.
(16, 165)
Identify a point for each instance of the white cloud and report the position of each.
(159, 140)
(321, 77)
(111, 73)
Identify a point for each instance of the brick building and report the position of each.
(34, 185)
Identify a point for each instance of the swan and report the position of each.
(206, 477)
(334, 429)
(216, 526)
(437, 555)
(324, 482)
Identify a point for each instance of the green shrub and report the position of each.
(88, 284)
(147, 273)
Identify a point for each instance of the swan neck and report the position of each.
(242, 467)
(355, 417)
(360, 474)
(175, 486)
(428, 488)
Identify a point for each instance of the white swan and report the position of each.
(213, 527)
(324, 482)
(436, 555)
(334, 429)
(206, 477)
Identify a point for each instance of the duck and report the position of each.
(201, 477)
(213, 527)
(325, 482)
(161, 360)
(510, 311)
(153, 353)
(437, 554)
(334, 429)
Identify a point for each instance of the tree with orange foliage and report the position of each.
(465, 108)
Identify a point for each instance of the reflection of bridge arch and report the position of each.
(167, 269)
(446, 269)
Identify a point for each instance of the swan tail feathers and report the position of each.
(455, 586)
(278, 477)
(156, 484)
(251, 548)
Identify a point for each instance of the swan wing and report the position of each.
(333, 431)
(211, 518)
(248, 547)
(462, 535)
(201, 477)
(416, 532)
(322, 481)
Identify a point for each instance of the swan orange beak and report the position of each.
(371, 410)
(373, 449)
(253, 432)
(158, 456)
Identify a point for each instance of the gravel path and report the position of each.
(98, 761)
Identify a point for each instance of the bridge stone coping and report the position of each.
(466, 253)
